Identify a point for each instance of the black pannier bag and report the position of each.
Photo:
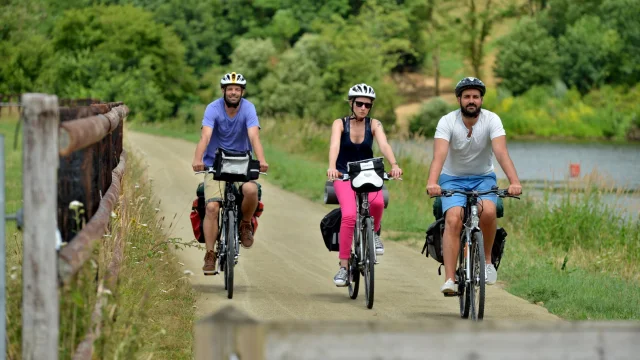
(330, 229)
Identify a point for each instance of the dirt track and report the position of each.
(288, 272)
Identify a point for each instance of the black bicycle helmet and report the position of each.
(470, 83)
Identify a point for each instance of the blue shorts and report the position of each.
(466, 183)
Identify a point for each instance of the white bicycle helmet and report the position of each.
(233, 79)
(362, 90)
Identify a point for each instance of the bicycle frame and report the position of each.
(471, 222)
(229, 206)
(362, 206)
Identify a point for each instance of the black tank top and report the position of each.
(354, 152)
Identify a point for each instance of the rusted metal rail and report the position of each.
(80, 133)
(84, 351)
(73, 256)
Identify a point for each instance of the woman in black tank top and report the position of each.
(352, 140)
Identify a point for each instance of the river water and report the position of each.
(616, 165)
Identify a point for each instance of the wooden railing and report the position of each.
(232, 334)
(73, 163)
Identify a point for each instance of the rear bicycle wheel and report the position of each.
(478, 280)
(354, 277)
(230, 253)
(369, 262)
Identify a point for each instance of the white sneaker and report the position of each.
(449, 287)
(341, 277)
(378, 244)
(490, 274)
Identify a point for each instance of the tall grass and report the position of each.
(150, 314)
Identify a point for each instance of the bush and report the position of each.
(426, 120)
(545, 111)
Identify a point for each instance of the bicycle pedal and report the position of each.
(451, 294)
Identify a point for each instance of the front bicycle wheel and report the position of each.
(231, 253)
(369, 262)
(461, 278)
(478, 280)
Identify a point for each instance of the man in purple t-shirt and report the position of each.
(231, 123)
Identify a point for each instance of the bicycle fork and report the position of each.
(475, 220)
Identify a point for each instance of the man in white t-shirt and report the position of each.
(464, 144)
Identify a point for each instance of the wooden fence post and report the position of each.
(229, 334)
(40, 303)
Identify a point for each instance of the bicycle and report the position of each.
(228, 240)
(363, 253)
(471, 279)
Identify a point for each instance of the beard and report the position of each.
(231, 104)
(470, 113)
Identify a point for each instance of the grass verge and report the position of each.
(577, 258)
(150, 314)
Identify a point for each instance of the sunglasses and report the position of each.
(365, 104)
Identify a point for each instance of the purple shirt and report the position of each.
(228, 133)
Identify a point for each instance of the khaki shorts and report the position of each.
(214, 190)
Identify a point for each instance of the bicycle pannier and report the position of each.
(498, 247)
(330, 229)
(197, 214)
(366, 176)
(433, 242)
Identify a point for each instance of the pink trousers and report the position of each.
(347, 199)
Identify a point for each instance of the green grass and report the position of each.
(149, 315)
(579, 259)
(536, 273)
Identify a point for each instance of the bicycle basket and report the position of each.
(235, 166)
(366, 175)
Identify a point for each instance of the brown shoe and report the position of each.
(209, 267)
(246, 234)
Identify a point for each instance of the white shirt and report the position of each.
(469, 156)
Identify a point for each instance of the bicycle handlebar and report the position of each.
(500, 192)
(387, 176)
(212, 170)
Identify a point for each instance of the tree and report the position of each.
(527, 56)
(560, 14)
(296, 84)
(623, 15)
(436, 22)
(98, 44)
(476, 27)
(359, 51)
(589, 53)
(252, 58)
(198, 24)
